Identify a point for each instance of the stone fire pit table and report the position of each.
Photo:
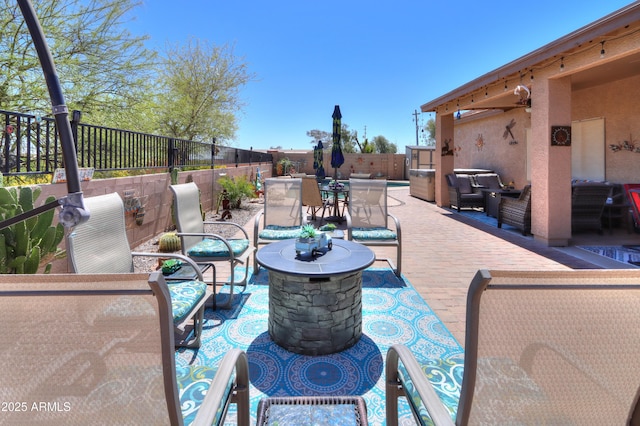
(315, 303)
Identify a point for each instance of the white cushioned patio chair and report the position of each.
(368, 218)
(282, 215)
(99, 349)
(541, 347)
(208, 248)
(101, 246)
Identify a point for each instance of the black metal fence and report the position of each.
(30, 145)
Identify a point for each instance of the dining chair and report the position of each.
(368, 218)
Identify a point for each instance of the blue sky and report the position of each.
(378, 60)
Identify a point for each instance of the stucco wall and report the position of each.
(479, 142)
(618, 102)
(390, 166)
(155, 195)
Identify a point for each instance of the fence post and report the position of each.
(171, 154)
(213, 153)
(76, 116)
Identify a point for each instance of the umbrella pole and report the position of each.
(73, 211)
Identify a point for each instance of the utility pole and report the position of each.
(415, 118)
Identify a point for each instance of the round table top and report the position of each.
(345, 257)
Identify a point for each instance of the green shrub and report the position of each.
(237, 189)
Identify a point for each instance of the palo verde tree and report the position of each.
(200, 91)
(101, 66)
(383, 146)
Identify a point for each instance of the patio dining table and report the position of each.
(339, 194)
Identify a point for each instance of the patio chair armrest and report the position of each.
(234, 361)
(349, 226)
(228, 223)
(181, 257)
(397, 224)
(432, 403)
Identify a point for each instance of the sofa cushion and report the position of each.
(489, 180)
(464, 184)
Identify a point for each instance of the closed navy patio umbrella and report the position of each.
(337, 158)
(318, 161)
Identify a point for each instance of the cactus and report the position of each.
(24, 244)
(168, 243)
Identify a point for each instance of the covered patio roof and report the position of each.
(494, 90)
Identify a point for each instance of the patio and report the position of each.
(443, 251)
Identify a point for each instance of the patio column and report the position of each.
(550, 165)
(443, 163)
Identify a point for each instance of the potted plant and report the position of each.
(284, 166)
(312, 241)
(307, 232)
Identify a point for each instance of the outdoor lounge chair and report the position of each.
(207, 248)
(634, 200)
(463, 193)
(541, 347)
(368, 218)
(634, 213)
(99, 349)
(101, 246)
(282, 216)
(516, 211)
(587, 204)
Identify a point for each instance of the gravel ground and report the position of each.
(240, 216)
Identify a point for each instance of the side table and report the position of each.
(313, 410)
(492, 199)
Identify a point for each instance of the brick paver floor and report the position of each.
(442, 251)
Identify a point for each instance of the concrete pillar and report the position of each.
(550, 165)
(443, 163)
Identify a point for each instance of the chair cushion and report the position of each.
(373, 234)
(193, 384)
(464, 184)
(184, 295)
(276, 232)
(446, 377)
(210, 247)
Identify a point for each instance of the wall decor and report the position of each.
(629, 145)
(479, 142)
(507, 132)
(560, 135)
(446, 149)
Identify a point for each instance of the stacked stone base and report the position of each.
(314, 316)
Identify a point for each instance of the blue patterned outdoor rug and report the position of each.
(628, 255)
(393, 312)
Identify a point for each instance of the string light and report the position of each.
(602, 50)
(562, 64)
(505, 85)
